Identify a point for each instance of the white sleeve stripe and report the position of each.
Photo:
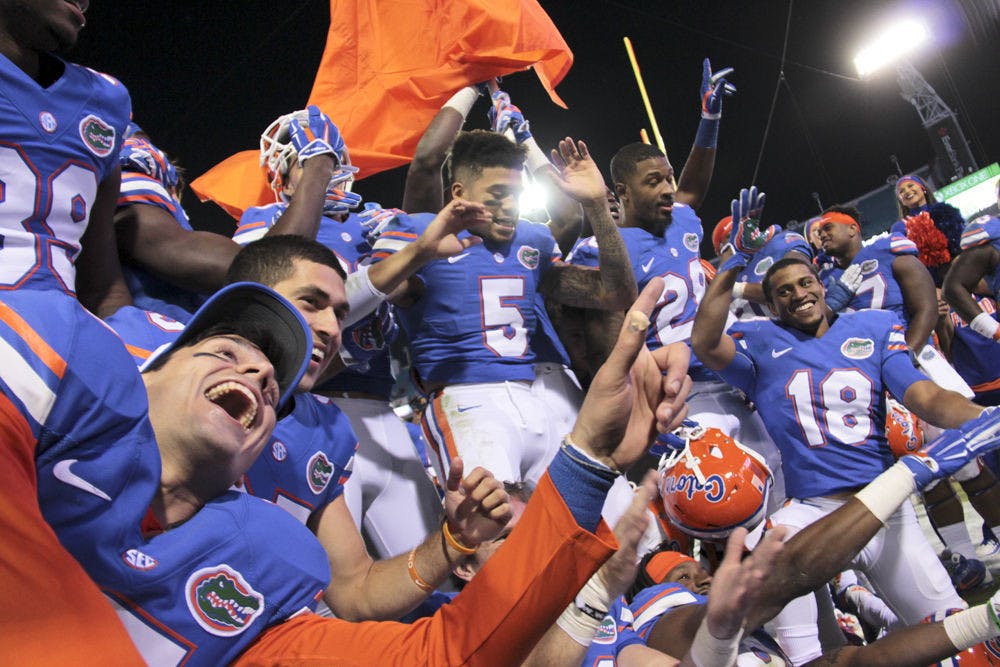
(662, 606)
(243, 238)
(25, 383)
(136, 185)
(390, 244)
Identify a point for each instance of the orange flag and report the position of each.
(389, 66)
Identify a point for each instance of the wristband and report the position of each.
(454, 543)
(738, 289)
(585, 459)
(412, 571)
(463, 101)
(884, 494)
(984, 325)
(535, 158)
(709, 651)
(581, 619)
(972, 626)
(362, 296)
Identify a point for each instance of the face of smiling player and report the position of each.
(40, 26)
(797, 298)
(498, 189)
(317, 292)
(212, 407)
(691, 576)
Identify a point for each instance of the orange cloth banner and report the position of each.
(389, 66)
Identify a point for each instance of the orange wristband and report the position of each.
(412, 570)
(455, 544)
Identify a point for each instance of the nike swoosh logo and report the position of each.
(62, 472)
(775, 353)
(455, 258)
(469, 407)
(647, 266)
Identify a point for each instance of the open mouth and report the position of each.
(238, 401)
(803, 306)
(318, 355)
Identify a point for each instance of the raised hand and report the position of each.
(374, 219)
(504, 115)
(747, 236)
(440, 239)
(713, 87)
(339, 201)
(579, 177)
(315, 135)
(619, 571)
(636, 393)
(476, 507)
(840, 293)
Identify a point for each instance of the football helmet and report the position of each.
(721, 233)
(714, 485)
(902, 430)
(278, 154)
(139, 155)
(986, 654)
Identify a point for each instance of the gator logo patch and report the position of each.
(138, 560)
(858, 348)
(607, 633)
(97, 135)
(528, 257)
(763, 265)
(319, 470)
(691, 241)
(869, 265)
(222, 601)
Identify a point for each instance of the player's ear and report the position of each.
(465, 569)
(457, 190)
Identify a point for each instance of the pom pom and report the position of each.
(932, 245)
(949, 220)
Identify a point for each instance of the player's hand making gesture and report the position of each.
(579, 176)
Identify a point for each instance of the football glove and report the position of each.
(713, 87)
(319, 137)
(840, 293)
(747, 236)
(951, 450)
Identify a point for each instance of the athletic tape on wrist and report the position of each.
(738, 289)
(886, 493)
(709, 651)
(984, 325)
(578, 625)
(970, 627)
(463, 100)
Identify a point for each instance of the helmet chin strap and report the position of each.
(686, 433)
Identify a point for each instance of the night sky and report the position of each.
(207, 77)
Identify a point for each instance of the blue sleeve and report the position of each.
(898, 373)
(584, 253)
(742, 370)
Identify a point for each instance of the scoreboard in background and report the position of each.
(974, 195)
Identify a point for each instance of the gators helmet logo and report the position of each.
(222, 601)
(319, 470)
(97, 135)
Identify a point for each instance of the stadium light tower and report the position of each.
(954, 159)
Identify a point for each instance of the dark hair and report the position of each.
(272, 259)
(784, 263)
(624, 161)
(480, 149)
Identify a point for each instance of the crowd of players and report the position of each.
(805, 374)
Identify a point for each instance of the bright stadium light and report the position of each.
(890, 45)
(533, 200)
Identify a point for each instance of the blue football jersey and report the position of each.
(780, 245)
(201, 592)
(982, 231)
(822, 400)
(71, 381)
(976, 357)
(149, 292)
(143, 331)
(614, 634)
(308, 460)
(479, 309)
(365, 343)
(879, 288)
(675, 257)
(58, 144)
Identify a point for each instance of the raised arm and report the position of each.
(963, 277)
(612, 286)
(697, 173)
(424, 191)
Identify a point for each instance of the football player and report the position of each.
(212, 569)
(820, 386)
(64, 125)
(470, 318)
